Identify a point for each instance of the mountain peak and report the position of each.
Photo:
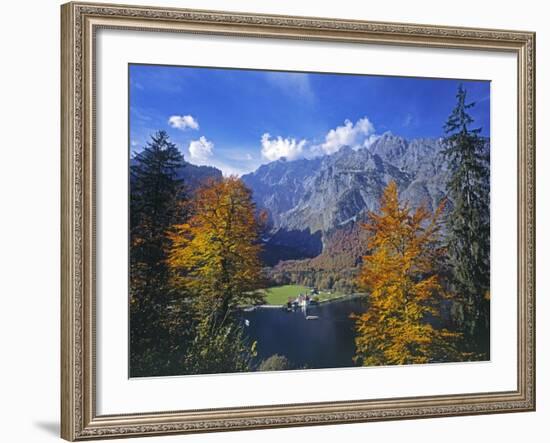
(307, 198)
(344, 150)
(389, 136)
(390, 147)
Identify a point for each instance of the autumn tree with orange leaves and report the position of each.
(215, 259)
(216, 253)
(400, 276)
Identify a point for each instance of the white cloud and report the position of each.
(228, 161)
(357, 135)
(273, 149)
(360, 134)
(229, 170)
(201, 149)
(183, 122)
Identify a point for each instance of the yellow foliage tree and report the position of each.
(401, 278)
(216, 254)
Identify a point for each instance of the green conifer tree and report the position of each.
(156, 201)
(467, 223)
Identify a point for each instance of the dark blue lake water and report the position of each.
(327, 342)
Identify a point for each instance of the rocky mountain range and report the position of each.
(309, 200)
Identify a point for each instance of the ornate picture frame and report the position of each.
(80, 23)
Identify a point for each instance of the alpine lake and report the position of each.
(315, 336)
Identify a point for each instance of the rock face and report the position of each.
(308, 198)
(347, 184)
(280, 185)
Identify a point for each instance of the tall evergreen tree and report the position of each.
(468, 227)
(155, 205)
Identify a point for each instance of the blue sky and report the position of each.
(239, 119)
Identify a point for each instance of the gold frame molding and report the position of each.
(79, 22)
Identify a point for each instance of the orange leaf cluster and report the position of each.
(216, 254)
(401, 277)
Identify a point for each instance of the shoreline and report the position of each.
(322, 302)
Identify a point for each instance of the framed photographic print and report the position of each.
(281, 221)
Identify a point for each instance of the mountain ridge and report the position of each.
(308, 199)
(341, 188)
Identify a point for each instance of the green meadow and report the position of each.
(279, 295)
